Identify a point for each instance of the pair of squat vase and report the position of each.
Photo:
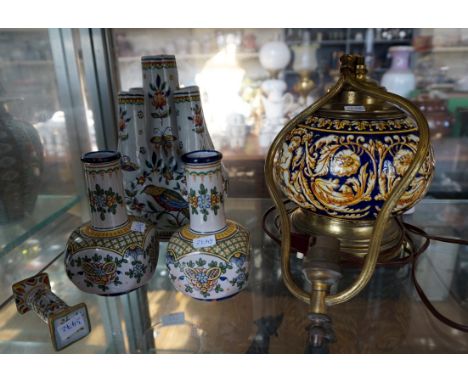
(142, 193)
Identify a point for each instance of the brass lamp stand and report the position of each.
(381, 235)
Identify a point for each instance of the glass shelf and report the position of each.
(47, 209)
(387, 317)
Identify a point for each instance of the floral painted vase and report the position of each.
(209, 258)
(66, 324)
(191, 126)
(21, 166)
(113, 253)
(133, 148)
(163, 174)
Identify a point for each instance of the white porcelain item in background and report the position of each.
(399, 79)
(275, 56)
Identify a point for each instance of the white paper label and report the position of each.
(173, 319)
(205, 241)
(355, 108)
(138, 227)
(71, 326)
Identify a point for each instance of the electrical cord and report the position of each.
(412, 253)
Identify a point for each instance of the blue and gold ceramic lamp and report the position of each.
(352, 163)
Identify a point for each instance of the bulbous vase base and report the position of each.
(114, 262)
(214, 272)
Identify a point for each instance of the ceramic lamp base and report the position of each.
(354, 236)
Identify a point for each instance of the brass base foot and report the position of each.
(354, 236)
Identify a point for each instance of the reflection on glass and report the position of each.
(37, 184)
(225, 63)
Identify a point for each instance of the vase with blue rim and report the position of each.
(113, 253)
(209, 258)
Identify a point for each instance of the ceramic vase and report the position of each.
(67, 324)
(162, 175)
(133, 148)
(209, 258)
(21, 167)
(113, 253)
(191, 127)
(399, 79)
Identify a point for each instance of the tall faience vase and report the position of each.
(133, 148)
(163, 174)
(113, 253)
(21, 166)
(191, 127)
(209, 258)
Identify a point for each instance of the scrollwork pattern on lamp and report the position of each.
(349, 173)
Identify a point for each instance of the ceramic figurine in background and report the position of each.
(163, 174)
(133, 147)
(66, 324)
(237, 131)
(274, 57)
(209, 258)
(113, 253)
(21, 165)
(276, 104)
(399, 79)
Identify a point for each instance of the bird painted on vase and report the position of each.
(168, 199)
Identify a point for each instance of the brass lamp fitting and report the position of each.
(321, 269)
(305, 85)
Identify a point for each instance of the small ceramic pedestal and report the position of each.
(208, 259)
(66, 324)
(114, 253)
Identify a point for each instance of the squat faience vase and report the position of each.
(113, 253)
(209, 258)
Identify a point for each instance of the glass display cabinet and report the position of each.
(63, 85)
